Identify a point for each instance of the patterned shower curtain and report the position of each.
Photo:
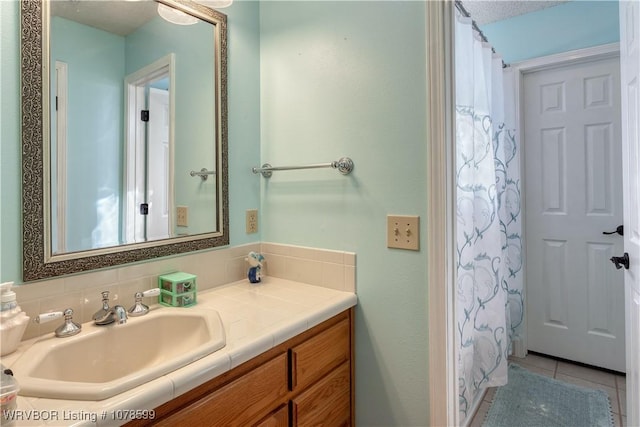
(489, 298)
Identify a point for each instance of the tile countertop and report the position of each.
(255, 318)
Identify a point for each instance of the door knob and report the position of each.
(619, 230)
(621, 261)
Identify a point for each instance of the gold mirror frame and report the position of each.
(35, 266)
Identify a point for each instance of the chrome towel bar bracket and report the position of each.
(344, 165)
(204, 173)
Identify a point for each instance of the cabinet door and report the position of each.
(326, 403)
(279, 418)
(239, 402)
(317, 356)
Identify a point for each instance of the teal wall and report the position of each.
(244, 129)
(348, 79)
(573, 25)
(10, 167)
(244, 116)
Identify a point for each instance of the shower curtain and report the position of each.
(489, 298)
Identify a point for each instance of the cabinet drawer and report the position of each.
(240, 401)
(328, 402)
(317, 356)
(279, 418)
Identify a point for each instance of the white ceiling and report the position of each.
(123, 17)
(118, 17)
(487, 11)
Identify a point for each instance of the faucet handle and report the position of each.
(68, 328)
(140, 309)
(48, 317)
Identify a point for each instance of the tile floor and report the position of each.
(614, 385)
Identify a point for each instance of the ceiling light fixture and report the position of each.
(175, 16)
(216, 4)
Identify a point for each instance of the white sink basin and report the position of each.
(103, 361)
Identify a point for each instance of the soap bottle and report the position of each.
(7, 297)
(13, 321)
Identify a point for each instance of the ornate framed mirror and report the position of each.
(103, 183)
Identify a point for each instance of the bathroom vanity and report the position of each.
(306, 380)
(288, 360)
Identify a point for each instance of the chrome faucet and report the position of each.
(100, 314)
(107, 315)
(117, 314)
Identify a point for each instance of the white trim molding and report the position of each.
(443, 382)
(61, 102)
(566, 58)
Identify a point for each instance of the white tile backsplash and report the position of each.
(91, 279)
(350, 278)
(82, 292)
(333, 276)
(305, 270)
(276, 249)
(320, 267)
(350, 259)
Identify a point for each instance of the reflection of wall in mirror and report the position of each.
(195, 114)
(96, 65)
(95, 124)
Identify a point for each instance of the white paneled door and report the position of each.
(630, 76)
(158, 164)
(573, 193)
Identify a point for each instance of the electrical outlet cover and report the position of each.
(182, 216)
(252, 221)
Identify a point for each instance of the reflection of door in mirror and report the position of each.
(148, 180)
(158, 213)
(58, 155)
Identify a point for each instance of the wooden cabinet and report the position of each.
(317, 356)
(240, 401)
(279, 418)
(305, 381)
(325, 403)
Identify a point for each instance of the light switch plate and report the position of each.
(403, 232)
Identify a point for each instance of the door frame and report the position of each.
(442, 348)
(60, 173)
(134, 156)
(520, 69)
